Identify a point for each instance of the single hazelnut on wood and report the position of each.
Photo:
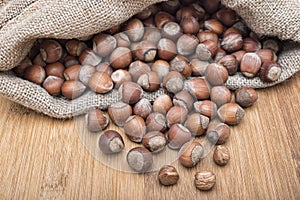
(85, 73)
(72, 89)
(52, 84)
(75, 47)
(171, 31)
(184, 99)
(104, 44)
(230, 63)
(205, 180)
(89, 57)
(270, 71)
(176, 114)
(119, 112)
(206, 50)
(35, 74)
(198, 67)
(217, 132)
(156, 122)
(221, 155)
(190, 25)
(100, 83)
(120, 58)
(216, 74)
(111, 142)
(199, 88)
(130, 92)
(232, 42)
(161, 67)
(177, 136)
(231, 113)
(146, 51)
(166, 49)
(21, 67)
(162, 104)
(137, 68)
(104, 67)
(134, 28)
(119, 77)
(142, 108)
(161, 18)
(245, 96)
(186, 44)
(220, 95)
(168, 174)
(55, 69)
(214, 26)
(154, 141)
(135, 128)
(173, 82)
(96, 120)
(72, 72)
(250, 65)
(149, 81)
(190, 154)
(181, 65)
(197, 123)
(51, 51)
(206, 107)
(251, 45)
(139, 159)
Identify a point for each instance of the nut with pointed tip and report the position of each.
(55, 69)
(72, 72)
(220, 95)
(250, 65)
(85, 73)
(166, 49)
(173, 82)
(186, 44)
(205, 180)
(120, 58)
(119, 112)
(161, 67)
(96, 120)
(232, 42)
(168, 174)
(217, 132)
(119, 77)
(199, 88)
(52, 84)
(270, 71)
(214, 26)
(75, 47)
(135, 128)
(51, 51)
(155, 141)
(137, 68)
(206, 50)
(134, 28)
(245, 96)
(89, 57)
(104, 44)
(221, 155)
(251, 45)
(130, 92)
(161, 18)
(190, 154)
(111, 142)
(216, 74)
(206, 108)
(181, 65)
(162, 104)
(171, 31)
(177, 136)
(156, 122)
(142, 108)
(230, 63)
(176, 114)
(184, 99)
(100, 83)
(149, 81)
(35, 74)
(197, 123)
(198, 67)
(139, 159)
(231, 113)
(190, 25)
(72, 89)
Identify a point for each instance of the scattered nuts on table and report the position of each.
(205, 180)
(168, 175)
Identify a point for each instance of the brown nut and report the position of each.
(149, 81)
(206, 50)
(220, 95)
(185, 11)
(232, 42)
(146, 51)
(173, 82)
(220, 54)
(72, 89)
(119, 77)
(196, 123)
(171, 6)
(177, 136)
(217, 132)
(227, 16)
(155, 141)
(168, 174)
(207, 35)
(231, 30)
(230, 63)
(214, 26)
(149, 22)
(231, 113)
(85, 73)
(184, 99)
(35, 74)
(111, 142)
(267, 55)
(55, 69)
(161, 18)
(104, 67)
(139, 159)
(156, 122)
(270, 71)
(70, 61)
(120, 58)
(51, 51)
(152, 34)
(206, 107)
(199, 88)
(171, 31)
(142, 108)
(176, 114)
(205, 180)
(134, 28)
(137, 68)
(250, 65)
(166, 49)
(119, 112)
(186, 44)
(144, 14)
(181, 65)
(251, 45)
(104, 44)
(190, 25)
(100, 83)
(245, 96)
(135, 128)
(216, 74)
(75, 47)
(198, 67)
(52, 84)
(211, 6)
(122, 40)
(190, 154)
(72, 72)
(162, 104)
(239, 55)
(130, 92)
(89, 57)
(19, 70)
(272, 43)
(161, 67)
(221, 155)
(96, 120)
(242, 27)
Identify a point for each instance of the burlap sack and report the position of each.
(23, 21)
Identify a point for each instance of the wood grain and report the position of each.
(44, 158)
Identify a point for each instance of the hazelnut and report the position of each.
(230, 63)
(214, 26)
(52, 85)
(171, 31)
(144, 14)
(220, 95)
(190, 154)
(227, 16)
(120, 76)
(162, 104)
(137, 68)
(166, 49)
(176, 114)
(206, 108)
(220, 54)
(100, 83)
(72, 72)
(111, 142)
(149, 22)
(181, 65)
(198, 67)
(139, 159)
(221, 155)
(266, 55)
(104, 67)
(119, 112)
(154, 141)
(184, 99)
(245, 96)
(120, 58)
(270, 71)
(173, 82)
(149, 81)
(135, 128)
(199, 12)
(130, 92)
(190, 25)
(177, 136)
(242, 27)
(207, 35)
(161, 18)
(104, 44)
(210, 6)
(39, 61)
(217, 132)
(75, 47)
(152, 34)
(21, 67)
(89, 57)
(251, 45)
(156, 122)
(114, 29)
(232, 42)
(205, 180)
(231, 113)
(51, 51)
(35, 74)
(70, 61)
(216, 74)
(161, 67)
(171, 6)
(231, 30)
(85, 73)
(146, 51)
(272, 43)
(206, 50)
(199, 88)
(122, 40)
(239, 55)
(134, 28)
(196, 123)
(168, 174)
(142, 108)
(96, 120)
(186, 44)
(72, 89)
(250, 65)
(55, 69)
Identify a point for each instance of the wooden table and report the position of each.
(44, 158)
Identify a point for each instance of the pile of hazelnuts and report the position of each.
(188, 48)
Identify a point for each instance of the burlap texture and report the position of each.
(22, 22)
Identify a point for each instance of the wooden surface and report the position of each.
(43, 158)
